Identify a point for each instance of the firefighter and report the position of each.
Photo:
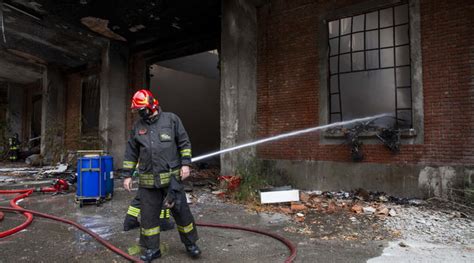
(159, 141)
(14, 148)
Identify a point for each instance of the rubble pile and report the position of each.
(362, 215)
(205, 173)
(356, 215)
(356, 202)
(423, 223)
(14, 173)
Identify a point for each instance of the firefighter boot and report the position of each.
(150, 255)
(130, 223)
(193, 251)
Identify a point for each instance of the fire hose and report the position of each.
(29, 218)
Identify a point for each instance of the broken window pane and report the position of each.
(401, 35)
(333, 81)
(357, 41)
(386, 57)
(346, 25)
(386, 17)
(345, 44)
(334, 46)
(401, 14)
(345, 63)
(333, 67)
(404, 118)
(358, 23)
(386, 37)
(403, 77)
(335, 103)
(372, 39)
(372, 20)
(402, 55)
(333, 28)
(367, 93)
(372, 59)
(404, 98)
(358, 61)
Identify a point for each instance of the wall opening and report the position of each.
(189, 87)
(90, 106)
(36, 116)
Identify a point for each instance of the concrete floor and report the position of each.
(50, 241)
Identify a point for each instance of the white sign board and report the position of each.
(270, 197)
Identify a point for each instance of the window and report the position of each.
(370, 67)
(90, 105)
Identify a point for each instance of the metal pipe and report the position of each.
(21, 11)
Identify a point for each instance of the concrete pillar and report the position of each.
(53, 113)
(16, 100)
(238, 60)
(114, 100)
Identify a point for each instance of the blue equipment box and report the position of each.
(94, 179)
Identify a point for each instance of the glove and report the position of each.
(171, 198)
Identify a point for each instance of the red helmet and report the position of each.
(144, 98)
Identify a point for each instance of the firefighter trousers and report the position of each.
(151, 200)
(135, 208)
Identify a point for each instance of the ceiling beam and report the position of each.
(53, 41)
(16, 69)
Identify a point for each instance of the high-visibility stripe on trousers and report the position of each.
(134, 209)
(135, 212)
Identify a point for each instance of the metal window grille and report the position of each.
(370, 66)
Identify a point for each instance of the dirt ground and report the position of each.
(324, 227)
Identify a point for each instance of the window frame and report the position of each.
(413, 135)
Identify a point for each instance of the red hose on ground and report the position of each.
(78, 226)
(285, 241)
(29, 217)
(133, 259)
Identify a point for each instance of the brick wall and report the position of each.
(73, 139)
(288, 84)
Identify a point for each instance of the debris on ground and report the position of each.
(402, 244)
(434, 223)
(360, 215)
(368, 210)
(18, 173)
(229, 182)
(60, 168)
(34, 160)
(205, 173)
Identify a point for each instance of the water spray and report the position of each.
(289, 134)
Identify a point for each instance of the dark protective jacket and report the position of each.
(160, 146)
